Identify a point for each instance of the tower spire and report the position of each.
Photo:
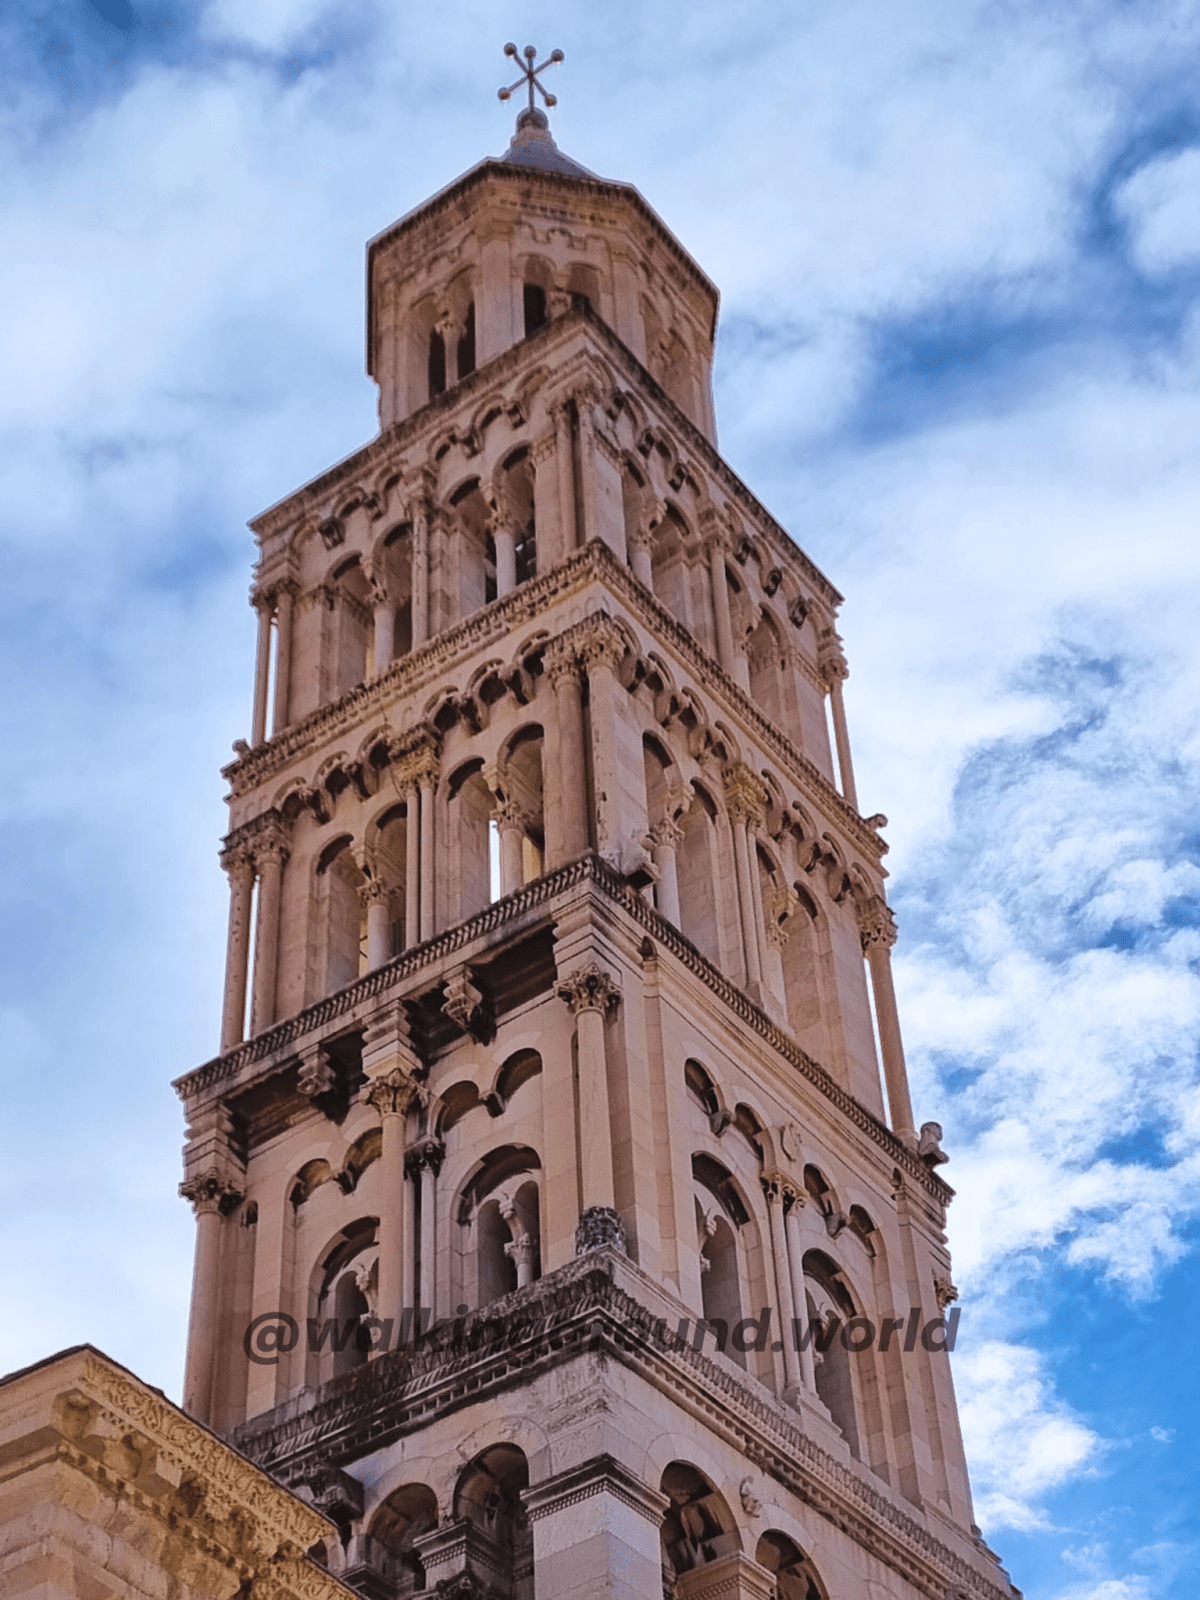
(530, 75)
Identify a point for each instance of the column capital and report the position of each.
(599, 641)
(745, 795)
(876, 924)
(419, 488)
(589, 988)
(428, 1152)
(508, 814)
(561, 660)
(831, 659)
(373, 891)
(211, 1193)
(666, 832)
(392, 1093)
(778, 1185)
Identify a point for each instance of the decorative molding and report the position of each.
(590, 988)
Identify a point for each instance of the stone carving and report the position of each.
(751, 1504)
(929, 1145)
(210, 1193)
(466, 1005)
(876, 924)
(589, 989)
(944, 1291)
(392, 1093)
(332, 531)
(599, 1229)
(316, 1075)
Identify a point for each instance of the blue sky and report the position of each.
(959, 252)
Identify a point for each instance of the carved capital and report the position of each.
(319, 595)
(508, 816)
(316, 1075)
(944, 1291)
(589, 989)
(466, 1005)
(211, 1193)
(778, 1185)
(745, 795)
(831, 659)
(373, 891)
(876, 924)
(666, 832)
(426, 1153)
(392, 1093)
(600, 642)
(560, 660)
(599, 1228)
(332, 531)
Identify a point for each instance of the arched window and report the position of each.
(668, 561)
(351, 1342)
(401, 1520)
(829, 1305)
(352, 624)
(345, 1283)
(802, 957)
(342, 916)
(720, 1216)
(697, 1526)
(535, 308)
(696, 865)
(465, 353)
(795, 1577)
(499, 1213)
(700, 1088)
(437, 364)
(767, 657)
(470, 804)
(498, 1542)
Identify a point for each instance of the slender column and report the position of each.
(420, 571)
(270, 855)
(240, 867)
(640, 558)
(385, 636)
(778, 1190)
(745, 801)
(285, 599)
(721, 612)
(774, 939)
(587, 467)
(760, 913)
(601, 647)
(426, 780)
(209, 1196)
(877, 928)
(519, 1249)
(833, 669)
(391, 1094)
(427, 1162)
(505, 539)
(412, 869)
(262, 671)
(564, 450)
(591, 993)
(510, 825)
(566, 824)
(379, 923)
(793, 1224)
(665, 837)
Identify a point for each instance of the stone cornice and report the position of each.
(567, 1315)
(496, 621)
(430, 420)
(128, 1437)
(514, 909)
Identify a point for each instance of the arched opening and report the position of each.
(700, 1089)
(351, 1340)
(499, 1541)
(345, 1281)
(476, 551)
(668, 565)
(404, 1516)
(389, 862)
(509, 1241)
(465, 349)
(352, 624)
(469, 807)
(801, 972)
(830, 1307)
(342, 916)
(795, 1577)
(697, 1526)
(534, 301)
(720, 1216)
(396, 575)
(767, 659)
(517, 486)
(696, 865)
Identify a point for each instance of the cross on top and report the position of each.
(530, 73)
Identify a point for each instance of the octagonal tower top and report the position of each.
(519, 239)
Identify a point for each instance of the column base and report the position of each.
(599, 1228)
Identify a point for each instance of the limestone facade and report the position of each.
(559, 1004)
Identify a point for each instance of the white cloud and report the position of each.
(1021, 1442)
(1161, 206)
(269, 24)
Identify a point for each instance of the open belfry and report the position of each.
(563, 1227)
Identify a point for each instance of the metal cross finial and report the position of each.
(529, 73)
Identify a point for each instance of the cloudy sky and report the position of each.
(959, 250)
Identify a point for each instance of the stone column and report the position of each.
(285, 599)
(510, 825)
(262, 670)
(391, 1094)
(877, 929)
(721, 612)
(210, 1195)
(778, 1189)
(426, 782)
(270, 855)
(831, 663)
(504, 537)
(665, 837)
(566, 823)
(731, 1577)
(377, 896)
(425, 1162)
(419, 517)
(596, 1532)
(745, 801)
(520, 1248)
(640, 546)
(384, 613)
(601, 647)
(564, 449)
(794, 1225)
(591, 993)
(412, 866)
(240, 867)
(587, 467)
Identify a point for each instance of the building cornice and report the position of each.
(514, 910)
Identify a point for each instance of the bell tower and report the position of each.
(563, 1229)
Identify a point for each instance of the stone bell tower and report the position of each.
(557, 1181)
